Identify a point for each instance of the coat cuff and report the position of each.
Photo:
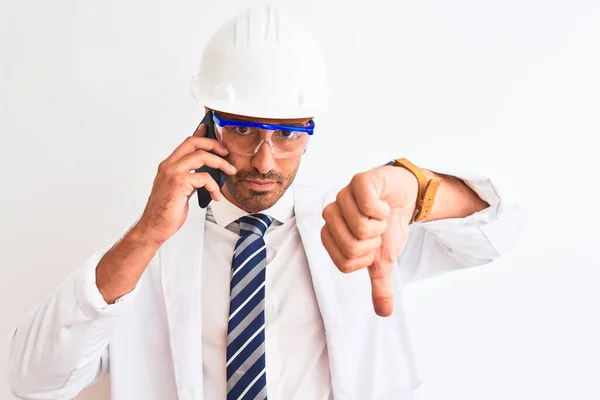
(88, 295)
(497, 226)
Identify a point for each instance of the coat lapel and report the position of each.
(369, 355)
(181, 260)
(308, 208)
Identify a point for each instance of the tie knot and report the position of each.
(254, 223)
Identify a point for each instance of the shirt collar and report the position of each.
(225, 212)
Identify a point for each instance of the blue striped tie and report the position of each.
(246, 364)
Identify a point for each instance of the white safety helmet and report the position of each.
(263, 63)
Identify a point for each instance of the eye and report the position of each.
(242, 130)
(285, 134)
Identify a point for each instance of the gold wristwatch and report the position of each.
(428, 188)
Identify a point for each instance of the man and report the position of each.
(274, 290)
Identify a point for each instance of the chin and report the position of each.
(256, 200)
(261, 200)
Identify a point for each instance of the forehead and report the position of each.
(236, 117)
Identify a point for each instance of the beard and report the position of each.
(256, 200)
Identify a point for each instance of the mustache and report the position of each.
(257, 175)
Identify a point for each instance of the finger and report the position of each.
(203, 179)
(381, 271)
(350, 246)
(343, 263)
(361, 226)
(192, 144)
(201, 158)
(367, 190)
(381, 288)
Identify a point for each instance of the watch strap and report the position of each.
(428, 188)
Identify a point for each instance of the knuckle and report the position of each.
(362, 228)
(162, 167)
(351, 251)
(342, 195)
(367, 206)
(325, 214)
(166, 169)
(190, 139)
(382, 227)
(224, 164)
(175, 180)
(387, 260)
(201, 156)
(358, 181)
(384, 259)
(205, 180)
(328, 211)
(345, 266)
(205, 176)
(201, 159)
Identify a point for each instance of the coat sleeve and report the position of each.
(61, 345)
(442, 246)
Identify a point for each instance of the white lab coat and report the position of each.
(151, 342)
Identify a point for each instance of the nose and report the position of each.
(263, 159)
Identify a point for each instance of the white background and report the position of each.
(94, 94)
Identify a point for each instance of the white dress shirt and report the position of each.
(296, 349)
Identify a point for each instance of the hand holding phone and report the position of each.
(175, 183)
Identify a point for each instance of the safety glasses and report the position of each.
(246, 137)
(223, 122)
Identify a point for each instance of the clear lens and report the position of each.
(247, 141)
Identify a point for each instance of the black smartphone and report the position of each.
(204, 198)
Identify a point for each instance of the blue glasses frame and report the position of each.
(222, 122)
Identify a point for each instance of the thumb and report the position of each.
(381, 288)
(381, 271)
